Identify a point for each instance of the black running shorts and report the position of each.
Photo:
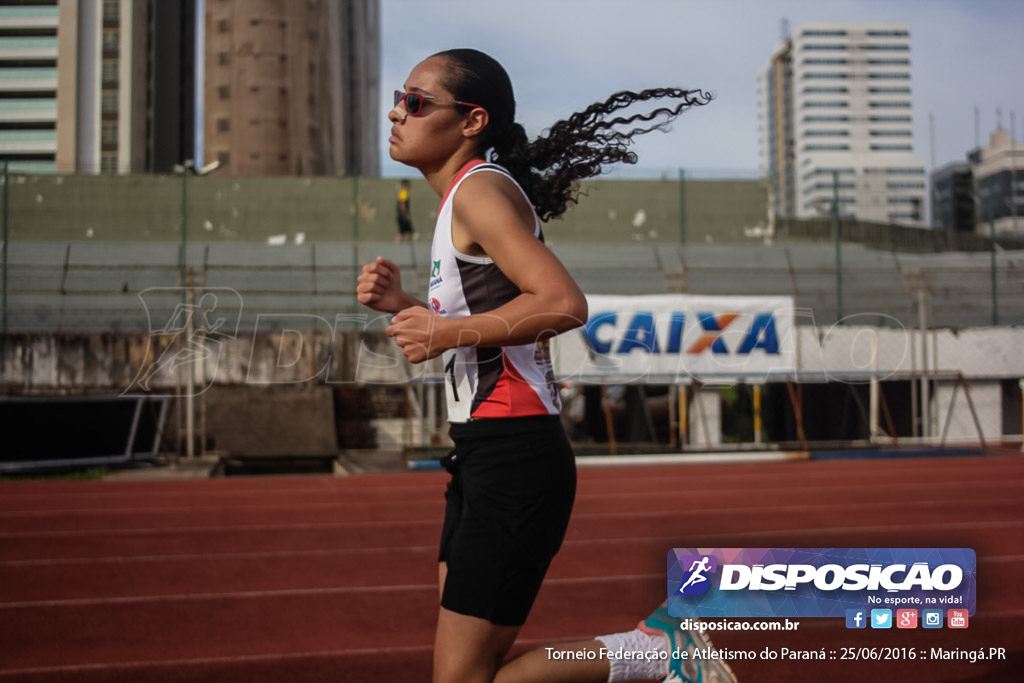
(513, 481)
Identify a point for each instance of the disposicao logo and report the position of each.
(818, 582)
(696, 580)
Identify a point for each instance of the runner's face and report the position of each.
(431, 137)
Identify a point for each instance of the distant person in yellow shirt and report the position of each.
(403, 215)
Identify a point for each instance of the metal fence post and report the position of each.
(355, 240)
(3, 333)
(995, 286)
(839, 246)
(682, 207)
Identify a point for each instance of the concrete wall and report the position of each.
(302, 392)
(325, 209)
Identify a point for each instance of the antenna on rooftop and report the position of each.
(783, 29)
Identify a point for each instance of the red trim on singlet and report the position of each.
(469, 166)
(512, 396)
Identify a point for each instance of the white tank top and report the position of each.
(485, 382)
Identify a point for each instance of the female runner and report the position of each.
(496, 296)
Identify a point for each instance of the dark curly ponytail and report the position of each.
(550, 168)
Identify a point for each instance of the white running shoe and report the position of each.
(689, 669)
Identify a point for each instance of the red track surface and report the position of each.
(333, 579)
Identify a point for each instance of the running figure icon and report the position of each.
(697, 571)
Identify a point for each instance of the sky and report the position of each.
(562, 55)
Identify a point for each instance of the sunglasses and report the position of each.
(414, 102)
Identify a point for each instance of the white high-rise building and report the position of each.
(835, 117)
(89, 86)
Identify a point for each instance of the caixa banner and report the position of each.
(678, 336)
(817, 582)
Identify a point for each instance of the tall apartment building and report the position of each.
(985, 193)
(998, 172)
(292, 88)
(952, 195)
(834, 101)
(92, 86)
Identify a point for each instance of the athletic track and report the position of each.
(320, 578)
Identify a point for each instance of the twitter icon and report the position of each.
(881, 618)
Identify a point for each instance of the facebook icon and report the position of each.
(856, 618)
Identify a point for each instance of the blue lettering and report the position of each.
(675, 332)
(641, 334)
(762, 335)
(590, 330)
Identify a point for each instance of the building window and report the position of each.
(111, 40)
(825, 186)
(224, 158)
(109, 103)
(223, 125)
(224, 92)
(109, 136)
(224, 58)
(108, 162)
(223, 26)
(826, 148)
(828, 172)
(111, 10)
(110, 71)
